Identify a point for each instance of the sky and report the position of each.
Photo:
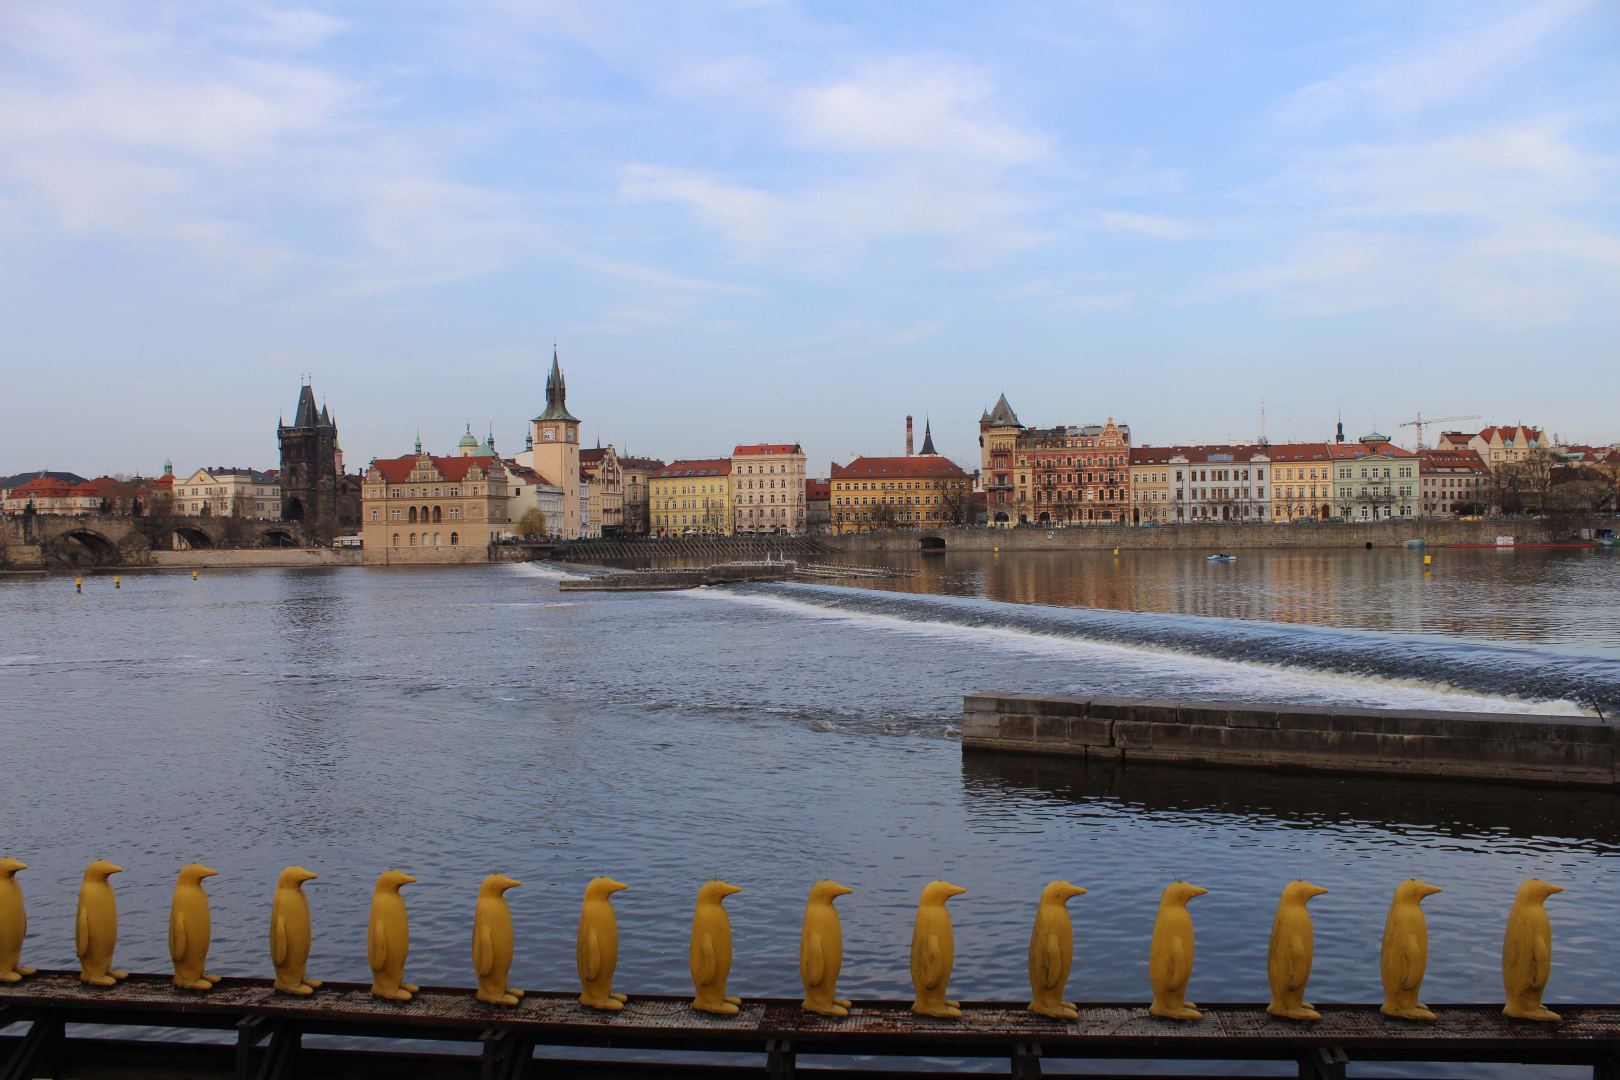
(758, 221)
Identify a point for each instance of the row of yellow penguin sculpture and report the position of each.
(1526, 946)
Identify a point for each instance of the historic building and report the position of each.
(602, 469)
(1150, 485)
(1454, 483)
(634, 476)
(692, 497)
(554, 450)
(424, 508)
(1075, 475)
(1301, 481)
(998, 440)
(527, 490)
(229, 492)
(1496, 446)
(767, 488)
(920, 491)
(310, 463)
(817, 506)
(1373, 479)
(46, 494)
(1220, 483)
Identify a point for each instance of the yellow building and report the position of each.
(688, 498)
(421, 508)
(1301, 481)
(1150, 485)
(922, 491)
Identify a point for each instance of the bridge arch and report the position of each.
(84, 547)
(277, 538)
(931, 543)
(189, 537)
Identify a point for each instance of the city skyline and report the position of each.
(757, 223)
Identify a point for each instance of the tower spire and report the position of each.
(928, 438)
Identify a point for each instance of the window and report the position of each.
(454, 539)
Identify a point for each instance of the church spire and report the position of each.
(556, 394)
(928, 439)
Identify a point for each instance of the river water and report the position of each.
(456, 722)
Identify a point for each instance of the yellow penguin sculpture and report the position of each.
(1170, 955)
(1527, 952)
(1288, 959)
(1406, 951)
(95, 931)
(13, 922)
(596, 950)
(933, 952)
(290, 932)
(190, 929)
(492, 941)
(1051, 952)
(711, 950)
(821, 950)
(388, 938)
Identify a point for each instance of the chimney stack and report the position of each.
(908, 436)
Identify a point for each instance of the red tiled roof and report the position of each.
(45, 487)
(593, 457)
(1447, 458)
(1508, 432)
(1152, 455)
(766, 448)
(1235, 453)
(1349, 451)
(694, 468)
(641, 464)
(454, 469)
(1299, 451)
(817, 490)
(920, 466)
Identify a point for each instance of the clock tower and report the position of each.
(556, 448)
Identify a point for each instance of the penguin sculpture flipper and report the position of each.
(1406, 976)
(483, 952)
(1051, 964)
(81, 933)
(377, 947)
(177, 934)
(278, 940)
(933, 962)
(590, 960)
(1294, 970)
(813, 960)
(707, 966)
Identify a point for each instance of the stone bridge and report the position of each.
(97, 540)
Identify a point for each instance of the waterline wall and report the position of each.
(1563, 750)
(1207, 538)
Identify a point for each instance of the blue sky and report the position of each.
(768, 221)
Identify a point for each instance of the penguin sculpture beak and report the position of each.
(615, 886)
(1551, 888)
(953, 890)
(206, 872)
(727, 889)
(111, 869)
(509, 883)
(406, 879)
(13, 865)
(1313, 890)
(1071, 891)
(305, 875)
(838, 890)
(1425, 889)
(1196, 890)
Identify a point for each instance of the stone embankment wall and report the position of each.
(244, 558)
(1204, 538)
(1570, 750)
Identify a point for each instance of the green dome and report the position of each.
(469, 440)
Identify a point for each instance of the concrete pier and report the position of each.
(1563, 750)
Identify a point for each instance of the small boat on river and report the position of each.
(1221, 556)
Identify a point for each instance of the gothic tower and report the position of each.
(309, 456)
(556, 447)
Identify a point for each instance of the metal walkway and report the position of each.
(270, 1027)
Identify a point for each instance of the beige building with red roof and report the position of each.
(691, 497)
(1222, 482)
(604, 490)
(1301, 481)
(422, 508)
(1150, 485)
(1496, 446)
(635, 475)
(767, 488)
(921, 491)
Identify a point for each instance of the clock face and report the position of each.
(550, 434)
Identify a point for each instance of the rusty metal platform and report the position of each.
(269, 1028)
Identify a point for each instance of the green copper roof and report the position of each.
(556, 395)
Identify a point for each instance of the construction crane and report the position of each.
(1420, 422)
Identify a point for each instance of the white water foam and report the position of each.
(543, 571)
(1214, 678)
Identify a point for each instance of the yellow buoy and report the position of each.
(78, 584)
(1116, 551)
(194, 575)
(118, 582)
